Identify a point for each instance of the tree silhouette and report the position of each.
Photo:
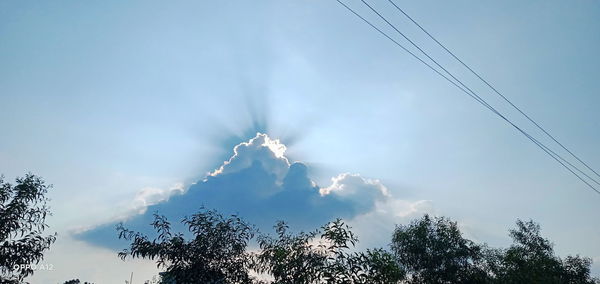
(216, 253)
(432, 250)
(76, 281)
(290, 257)
(323, 256)
(531, 259)
(23, 212)
(427, 250)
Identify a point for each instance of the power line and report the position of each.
(464, 86)
(471, 93)
(495, 90)
(482, 101)
(409, 52)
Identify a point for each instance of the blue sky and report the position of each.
(108, 99)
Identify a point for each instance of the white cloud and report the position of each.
(260, 184)
(151, 195)
(356, 189)
(375, 227)
(269, 152)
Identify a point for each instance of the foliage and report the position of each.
(323, 256)
(23, 213)
(432, 250)
(76, 281)
(215, 254)
(427, 250)
(576, 269)
(531, 259)
(290, 257)
(379, 266)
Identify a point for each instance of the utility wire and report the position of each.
(472, 94)
(460, 82)
(494, 89)
(471, 91)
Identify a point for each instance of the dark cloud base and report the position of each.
(253, 192)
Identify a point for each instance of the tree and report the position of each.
(288, 257)
(216, 253)
(531, 259)
(432, 250)
(427, 250)
(76, 281)
(323, 256)
(576, 269)
(23, 212)
(380, 266)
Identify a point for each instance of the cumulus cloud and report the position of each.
(151, 195)
(259, 183)
(269, 152)
(353, 188)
